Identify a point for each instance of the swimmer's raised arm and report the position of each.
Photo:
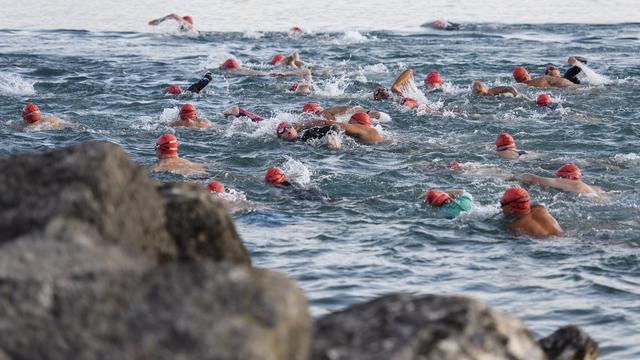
(341, 109)
(497, 90)
(402, 78)
(164, 18)
(311, 124)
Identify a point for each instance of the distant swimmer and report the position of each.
(300, 88)
(571, 74)
(296, 30)
(168, 160)
(237, 111)
(216, 187)
(276, 176)
(569, 179)
(481, 89)
(185, 22)
(405, 87)
(380, 92)
(450, 202)
(292, 61)
(32, 116)
(174, 89)
(196, 87)
(506, 146)
(232, 66)
(522, 76)
(189, 118)
(433, 79)
(526, 219)
(442, 24)
(311, 130)
(544, 100)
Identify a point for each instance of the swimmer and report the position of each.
(31, 116)
(545, 101)
(404, 87)
(450, 202)
(506, 146)
(526, 219)
(359, 127)
(196, 87)
(313, 110)
(309, 130)
(441, 24)
(276, 176)
(522, 76)
(189, 118)
(300, 88)
(571, 74)
(237, 111)
(296, 30)
(568, 180)
(216, 187)
(433, 79)
(481, 89)
(168, 160)
(292, 61)
(232, 66)
(173, 89)
(185, 22)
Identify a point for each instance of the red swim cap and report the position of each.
(294, 86)
(544, 100)
(455, 164)
(312, 108)
(230, 63)
(280, 128)
(440, 24)
(504, 141)
(167, 144)
(188, 111)
(276, 58)
(275, 175)
(360, 119)
(569, 171)
(31, 113)
(520, 74)
(437, 197)
(409, 102)
(216, 186)
(433, 78)
(188, 19)
(296, 29)
(517, 199)
(174, 89)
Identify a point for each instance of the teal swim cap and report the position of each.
(463, 202)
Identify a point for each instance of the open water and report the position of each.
(359, 227)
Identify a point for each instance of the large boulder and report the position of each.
(195, 310)
(430, 327)
(569, 343)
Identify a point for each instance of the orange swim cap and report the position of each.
(569, 171)
(296, 29)
(544, 100)
(31, 113)
(230, 63)
(275, 175)
(188, 111)
(433, 78)
(409, 102)
(188, 19)
(360, 119)
(437, 197)
(520, 74)
(216, 186)
(504, 141)
(517, 199)
(167, 144)
(276, 58)
(174, 89)
(311, 108)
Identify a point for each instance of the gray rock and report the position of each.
(430, 327)
(195, 310)
(201, 226)
(569, 343)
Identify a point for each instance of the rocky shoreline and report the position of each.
(99, 261)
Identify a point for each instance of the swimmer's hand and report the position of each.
(571, 60)
(232, 111)
(278, 74)
(154, 22)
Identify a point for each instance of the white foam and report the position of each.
(15, 85)
(297, 172)
(252, 35)
(169, 115)
(331, 88)
(591, 77)
(378, 68)
(627, 159)
(410, 89)
(352, 37)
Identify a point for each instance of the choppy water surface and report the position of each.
(360, 228)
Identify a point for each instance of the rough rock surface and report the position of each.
(195, 310)
(201, 225)
(569, 343)
(430, 327)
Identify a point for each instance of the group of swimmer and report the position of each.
(318, 123)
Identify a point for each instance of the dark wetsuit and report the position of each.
(197, 87)
(318, 132)
(572, 73)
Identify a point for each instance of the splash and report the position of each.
(15, 85)
(169, 115)
(410, 89)
(297, 171)
(352, 37)
(332, 87)
(591, 77)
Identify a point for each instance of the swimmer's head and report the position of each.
(167, 144)
(294, 86)
(380, 92)
(480, 88)
(277, 58)
(188, 112)
(544, 100)
(286, 131)
(360, 119)
(521, 74)
(304, 89)
(505, 141)
(552, 70)
(433, 79)
(455, 164)
(312, 108)
(439, 23)
(174, 89)
(188, 19)
(569, 171)
(275, 175)
(230, 63)
(515, 200)
(296, 29)
(216, 186)
(409, 102)
(31, 113)
(437, 198)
